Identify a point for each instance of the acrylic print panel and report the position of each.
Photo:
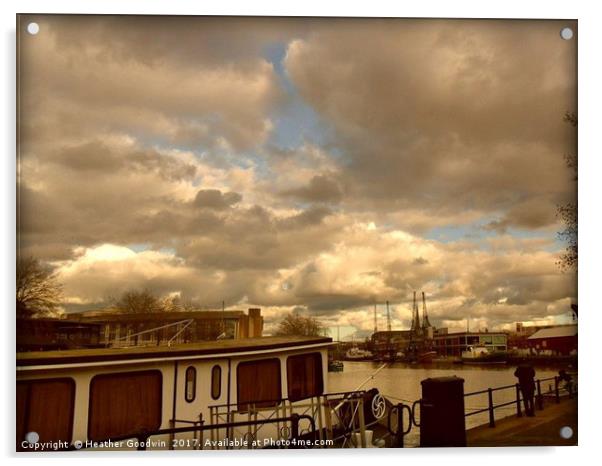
(295, 232)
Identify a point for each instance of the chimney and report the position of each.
(255, 322)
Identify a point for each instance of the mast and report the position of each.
(415, 317)
(390, 352)
(375, 322)
(223, 318)
(414, 331)
(425, 317)
(388, 318)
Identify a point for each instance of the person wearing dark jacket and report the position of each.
(526, 380)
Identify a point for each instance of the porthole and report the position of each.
(190, 389)
(216, 382)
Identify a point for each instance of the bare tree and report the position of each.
(294, 324)
(139, 301)
(38, 291)
(567, 213)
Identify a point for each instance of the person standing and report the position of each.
(526, 380)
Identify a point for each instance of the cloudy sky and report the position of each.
(320, 166)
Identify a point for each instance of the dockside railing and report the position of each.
(553, 392)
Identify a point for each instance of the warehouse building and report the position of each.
(559, 340)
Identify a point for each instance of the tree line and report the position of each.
(39, 294)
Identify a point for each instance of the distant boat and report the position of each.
(447, 359)
(357, 354)
(335, 366)
(414, 357)
(427, 356)
(480, 354)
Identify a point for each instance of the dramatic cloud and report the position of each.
(460, 114)
(317, 166)
(321, 188)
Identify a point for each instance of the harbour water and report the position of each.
(400, 382)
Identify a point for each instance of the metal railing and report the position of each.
(327, 419)
(554, 392)
(338, 416)
(296, 440)
(539, 395)
(332, 417)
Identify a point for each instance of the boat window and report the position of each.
(216, 382)
(124, 403)
(258, 383)
(190, 390)
(46, 407)
(304, 376)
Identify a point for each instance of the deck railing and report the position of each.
(325, 420)
(338, 416)
(296, 440)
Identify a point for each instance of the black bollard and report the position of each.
(442, 421)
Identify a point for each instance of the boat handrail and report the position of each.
(143, 436)
(279, 401)
(186, 323)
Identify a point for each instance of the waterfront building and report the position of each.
(453, 344)
(441, 341)
(557, 340)
(118, 327)
(55, 334)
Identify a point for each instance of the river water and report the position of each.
(401, 382)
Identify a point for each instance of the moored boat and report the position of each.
(427, 356)
(335, 366)
(248, 393)
(357, 354)
(480, 354)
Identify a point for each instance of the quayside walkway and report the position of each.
(541, 430)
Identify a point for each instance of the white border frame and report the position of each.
(590, 106)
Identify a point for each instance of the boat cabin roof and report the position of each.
(189, 350)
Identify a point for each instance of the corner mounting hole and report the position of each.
(566, 33)
(566, 432)
(32, 437)
(33, 28)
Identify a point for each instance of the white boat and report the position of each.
(480, 354)
(224, 394)
(358, 354)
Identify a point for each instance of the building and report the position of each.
(155, 328)
(439, 340)
(452, 344)
(56, 334)
(519, 339)
(559, 340)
